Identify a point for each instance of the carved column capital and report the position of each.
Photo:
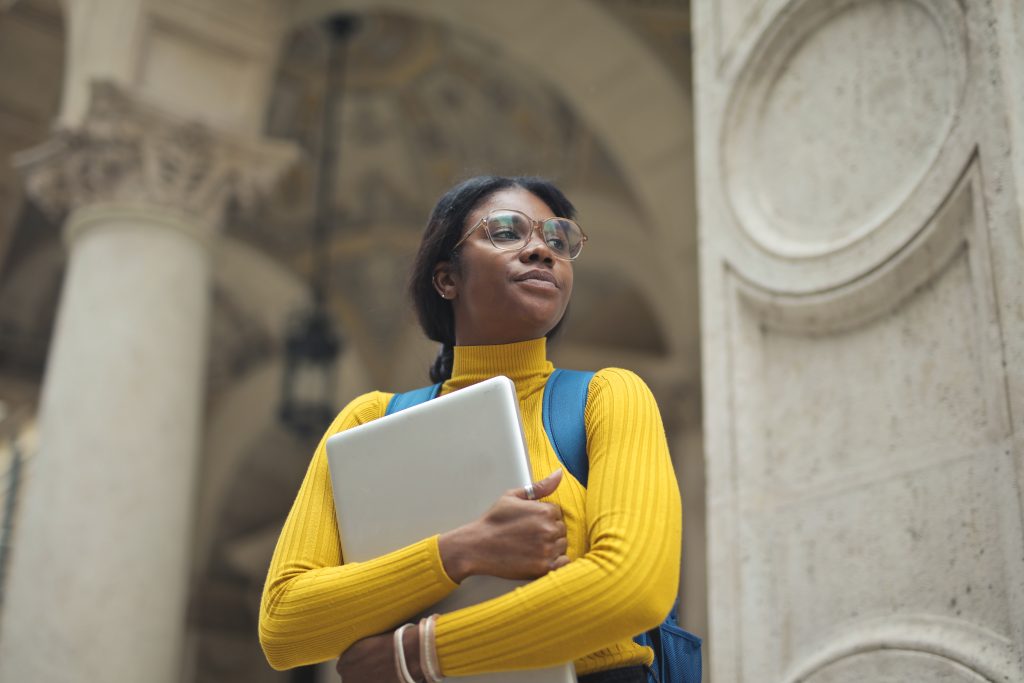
(127, 151)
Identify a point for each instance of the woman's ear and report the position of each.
(445, 280)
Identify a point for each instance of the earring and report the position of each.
(440, 290)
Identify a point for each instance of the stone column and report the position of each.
(98, 581)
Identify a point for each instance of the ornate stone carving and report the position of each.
(127, 151)
(846, 131)
(859, 343)
(909, 648)
(957, 227)
(902, 414)
(733, 20)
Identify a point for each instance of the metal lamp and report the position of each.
(312, 344)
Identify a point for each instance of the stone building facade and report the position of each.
(862, 290)
(840, 336)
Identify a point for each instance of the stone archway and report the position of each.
(606, 76)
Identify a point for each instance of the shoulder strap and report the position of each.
(412, 398)
(565, 401)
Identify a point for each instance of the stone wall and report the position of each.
(861, 275)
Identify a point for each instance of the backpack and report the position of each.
(677, 656)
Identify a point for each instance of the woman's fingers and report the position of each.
(559, 562)
(540, 489)
(553, 530)
(546, 486)
(518, 538)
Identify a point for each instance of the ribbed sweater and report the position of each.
(623, 530)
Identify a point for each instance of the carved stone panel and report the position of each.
(881, 114)
(861, 319)
(868, 94)
(873, 477)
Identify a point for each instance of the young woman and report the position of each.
(491, 282)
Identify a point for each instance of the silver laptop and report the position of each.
(429, 469)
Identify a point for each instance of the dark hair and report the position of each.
(444, 229)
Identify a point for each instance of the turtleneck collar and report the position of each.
(524, 363)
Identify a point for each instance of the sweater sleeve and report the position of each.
(625, 583)
(314, 606)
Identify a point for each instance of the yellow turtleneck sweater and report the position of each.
(623, 530)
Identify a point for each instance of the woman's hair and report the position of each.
(444, 229)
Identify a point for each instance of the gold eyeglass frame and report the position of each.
(536, 226)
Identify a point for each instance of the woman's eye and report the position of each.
(556, 243)
(505, 234)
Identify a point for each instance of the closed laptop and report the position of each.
(429, 469)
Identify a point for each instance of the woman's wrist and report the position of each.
(455, 548)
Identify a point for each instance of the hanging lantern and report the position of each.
(311, 343)
(311, 352)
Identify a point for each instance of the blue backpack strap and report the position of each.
(412, 398)
(565, 401)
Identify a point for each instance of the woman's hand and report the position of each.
(372, 660)
(518, 538)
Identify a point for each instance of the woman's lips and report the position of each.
(538, 277)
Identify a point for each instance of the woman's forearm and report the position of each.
(315, 606)
(627, 580)
(612, 593)
(312, 615)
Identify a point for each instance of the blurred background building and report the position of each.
(849, 359)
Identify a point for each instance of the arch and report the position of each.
(619, 74)
(615, 248)
(263, 288)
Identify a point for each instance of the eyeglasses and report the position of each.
(511, 230)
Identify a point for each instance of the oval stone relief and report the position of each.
(895, 666)
(842, 112)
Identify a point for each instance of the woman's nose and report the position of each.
(537, 249)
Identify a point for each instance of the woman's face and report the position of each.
(499, 297)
